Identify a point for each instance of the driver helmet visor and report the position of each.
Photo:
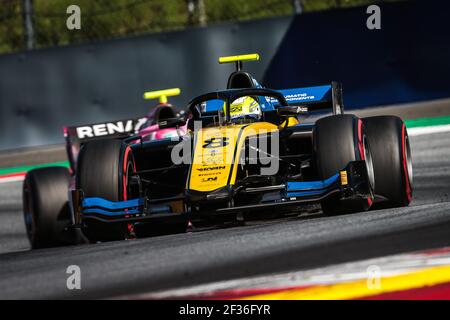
(244, 107)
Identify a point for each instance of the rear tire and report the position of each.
(338, 140)
(389, 142)
(46, 207)
(103, 171)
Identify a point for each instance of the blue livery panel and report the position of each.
(306, 95)
(294, 96)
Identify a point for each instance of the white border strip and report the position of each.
(12, 179)
(419, 131)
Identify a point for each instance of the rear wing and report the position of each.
(319, 98)
(75, 136)
(328, 97)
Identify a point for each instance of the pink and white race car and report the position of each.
(161, 122)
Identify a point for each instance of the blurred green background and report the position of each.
(106, 19)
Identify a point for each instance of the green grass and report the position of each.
(426, 122)
(107, 19)
(21, 169)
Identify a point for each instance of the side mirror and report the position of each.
(289, 111)
(171, 123)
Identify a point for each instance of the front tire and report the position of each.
(46, 207)
(338, 140)
(104, 169)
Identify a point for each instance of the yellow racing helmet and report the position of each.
(244, 107)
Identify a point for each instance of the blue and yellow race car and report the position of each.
(249, 152)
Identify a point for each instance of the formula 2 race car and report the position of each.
(155, 125)
(43, 191)
(247, 154)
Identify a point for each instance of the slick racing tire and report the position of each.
(103, 171)
(337, 140)
(46, 207)
(392, 162)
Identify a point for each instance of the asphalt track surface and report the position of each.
(166, 262)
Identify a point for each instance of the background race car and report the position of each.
(157, 124)
(45, 190)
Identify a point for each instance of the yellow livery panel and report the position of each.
(216, 151)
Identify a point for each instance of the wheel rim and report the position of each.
(130, 169)
(129, 175)
(369, 163)
(28, 213)
(409, 167)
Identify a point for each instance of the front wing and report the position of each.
(348, 184)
